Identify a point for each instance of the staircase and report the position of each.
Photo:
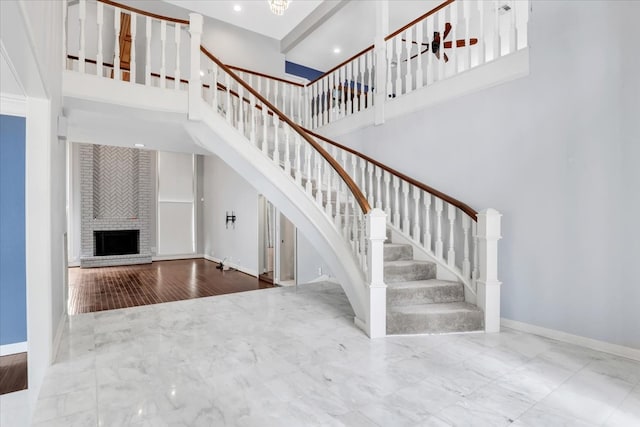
(418, 303)
(444, 260)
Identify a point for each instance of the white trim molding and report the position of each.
(615, 349)
(234, 266)
(7, 349)
(13, 105)
(176, 257)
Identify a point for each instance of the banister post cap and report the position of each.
(377, 224)
(489, 223)
(195, 23)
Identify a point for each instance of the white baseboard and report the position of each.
(176, 257)
(234, 266)
(7, 349)
(618, 350)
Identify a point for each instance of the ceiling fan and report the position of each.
(437, 43)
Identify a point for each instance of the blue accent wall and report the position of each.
(13, 284)
(301, 71)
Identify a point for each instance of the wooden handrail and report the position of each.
(362, 52)
(457, 203)
(418, 19)
(355, 190)
(145, 13)
(257, 73)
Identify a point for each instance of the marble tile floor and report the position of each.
(287, 357)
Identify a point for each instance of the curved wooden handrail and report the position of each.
(357, 193)
(257, 73)
(145, 13)
(362, 52)
(457, 203)
(418, 19)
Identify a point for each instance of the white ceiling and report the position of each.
(8, 83)
(255, 14)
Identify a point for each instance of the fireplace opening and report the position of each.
(116, 242)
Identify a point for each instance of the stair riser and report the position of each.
(430, 295)
(408, 273)
(395, 253)
(401, 323)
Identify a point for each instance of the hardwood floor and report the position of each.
(13, 373)
(108, 288)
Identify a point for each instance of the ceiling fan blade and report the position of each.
(447, 30)
(446, 58)
(460, 43)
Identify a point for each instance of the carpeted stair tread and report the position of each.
(434, 318)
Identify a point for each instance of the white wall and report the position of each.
(225, 190)
(557, 153)
(310, 265)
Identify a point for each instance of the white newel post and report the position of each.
(488, 283)
(380, 60)
(377, 289)
(195, 80)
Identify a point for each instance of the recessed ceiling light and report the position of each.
(237, 7)
(336, 50)
(138, 145)
(201, 73)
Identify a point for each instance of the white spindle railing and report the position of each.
(288, 148)
(93, 44)
(453, 37)
(443, 227)
(343, 91)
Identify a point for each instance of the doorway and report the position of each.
(277, 245)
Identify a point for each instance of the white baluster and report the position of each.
(214, 86)
(466, 264)
(378, 187)
(416, 214)
(147, 61)
(451, 253)
(276, 92)
(276, 139)
(329, 207)
(132, 63)
(475, 274)
(406, 225)
(100, 54)
(387, 194)
(307, 168)
(64, 34)
(426, 239)
(419, 58)
(398, 51)
(318, 179)
(408, 82)
(390, 91)
(453, 55)
(396, 205)
(348, 89)
(513, 35)
(298, 154)
(482, 47)
(430, 55)
(116, 59)
(441, 25)
(369, 98)
(287, 149)
(358, 84)
(177, 30)
(354, 161)
(363, 182)
(466, 16)
(163, 55)
(227, 101)
(240, 124)
(254, 112)
(347, 217)
(82, 15)
(497, 41)
(370, 186)
(439, 247)
(337, 220)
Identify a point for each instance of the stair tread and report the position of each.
(404, 262)
(427, 283)
(439, 308)
(395, 245)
